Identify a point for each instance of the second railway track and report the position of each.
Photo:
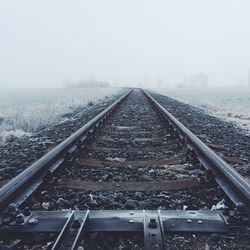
(133, 156)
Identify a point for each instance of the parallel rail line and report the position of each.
(154, 223)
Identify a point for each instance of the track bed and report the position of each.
(133, 146)
(128, 171)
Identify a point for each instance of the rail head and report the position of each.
(232, 183)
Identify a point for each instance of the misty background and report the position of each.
(126, 43)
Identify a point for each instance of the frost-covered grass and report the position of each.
(24, 111)
(230, 103)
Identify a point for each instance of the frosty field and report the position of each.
(24, 111)
(229, 103)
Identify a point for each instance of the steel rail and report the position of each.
(153, 231)
(236, 187)
(23, 181)
(72, 232)
(80, 232)
(165, 221)
(63, 232)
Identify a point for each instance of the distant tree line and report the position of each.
(90, 83)
(199, 80)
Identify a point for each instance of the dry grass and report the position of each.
(2, 119)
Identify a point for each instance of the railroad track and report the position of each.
(133, 168)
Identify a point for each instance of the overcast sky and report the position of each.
(45, 42)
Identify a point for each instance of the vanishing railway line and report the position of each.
(133, 168)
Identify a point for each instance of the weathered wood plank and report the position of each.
(132, 149)
(216, 146)
(97, 163)
(233, 159)
(171, 185)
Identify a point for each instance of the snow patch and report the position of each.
(9, 136)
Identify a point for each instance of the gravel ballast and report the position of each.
(20, 153)
(236, 143)
(210, 129)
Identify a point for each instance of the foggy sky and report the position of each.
(46, 42)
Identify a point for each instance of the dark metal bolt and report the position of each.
(20, 218)
(152, 223)
(226, 211)
(26, 211)
(240, 207)
(232, 219)
(33, 221)
(76, 223)
(12, 208)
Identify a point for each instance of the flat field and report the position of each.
(24, 111)
(229, 103)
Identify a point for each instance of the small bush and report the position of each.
(10, 136)
(90, 103)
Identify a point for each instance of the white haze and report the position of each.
(44, 43)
